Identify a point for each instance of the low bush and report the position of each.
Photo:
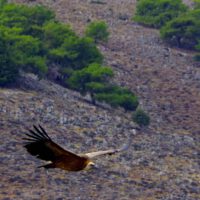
(158, 13)
(80, 79)
(76, 53)
(141, 118)
(183, 31)
(196, 4)
(55, 33)
(98, 30)
(28, 18)
(118, 97)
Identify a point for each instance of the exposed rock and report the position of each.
(163, 161)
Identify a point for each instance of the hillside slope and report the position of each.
(163, 160)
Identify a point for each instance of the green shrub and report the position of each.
(80, 79)
(3, 3)
(97, 2)
(20, 38)
(184, 31)
(98, 30)
(8, 69)
(196, 4)
(109, 98)
(118, 97)
(129, 102)
(76, 53)
(39, 39)
(141, 118)
(18, 52)
(24, 17)
(156, 13)
(55, 33)
(97, 87)
(197, 47)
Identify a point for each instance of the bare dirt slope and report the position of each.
(162, 162)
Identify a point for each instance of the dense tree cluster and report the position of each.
(32, 40)
(179, 25)
(183, 31)
(20, 49)
(158, 13)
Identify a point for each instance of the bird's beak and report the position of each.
(95, 166)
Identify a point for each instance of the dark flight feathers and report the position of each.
(39, 144)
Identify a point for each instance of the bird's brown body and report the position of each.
(69, 164)
(39, 144)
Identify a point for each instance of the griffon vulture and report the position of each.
(39, 144)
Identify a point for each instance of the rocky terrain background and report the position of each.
(163, 161)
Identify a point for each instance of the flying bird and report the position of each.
(39, 144)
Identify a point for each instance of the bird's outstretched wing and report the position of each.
(39, 144)
(109, 152)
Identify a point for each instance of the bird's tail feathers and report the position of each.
(51, 165)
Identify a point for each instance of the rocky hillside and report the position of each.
(163, 161)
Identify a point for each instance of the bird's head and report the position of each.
(90, 165)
